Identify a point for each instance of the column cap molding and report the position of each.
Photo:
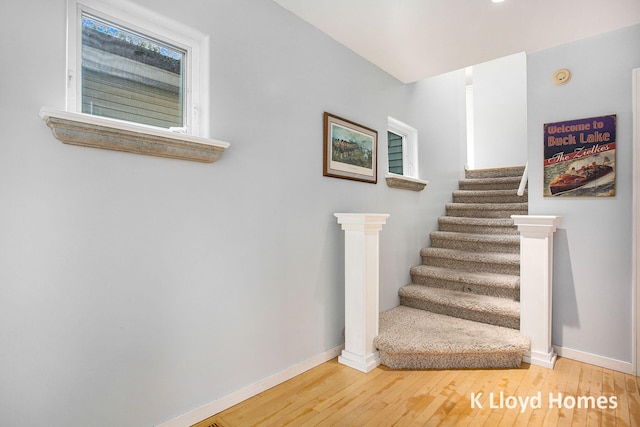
(538, 224)
(361, 219)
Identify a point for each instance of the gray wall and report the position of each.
(436, 109)
(592, 271)
(133, 288)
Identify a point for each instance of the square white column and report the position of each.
(536, 285)
(361, 252)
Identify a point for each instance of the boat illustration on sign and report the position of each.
(580, 178)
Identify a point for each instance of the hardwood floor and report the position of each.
(572, 394)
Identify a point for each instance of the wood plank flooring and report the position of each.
(572, 394)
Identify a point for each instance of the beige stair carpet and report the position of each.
(462, 308)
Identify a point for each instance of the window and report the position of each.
(402, 144)
(402, 141)
(130, 77)
(136, 82)
(395, 146)
(148, 71)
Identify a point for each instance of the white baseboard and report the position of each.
(593, 359)
(225, 402)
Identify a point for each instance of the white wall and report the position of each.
(592, 296)
(500, 112)
(134, 289)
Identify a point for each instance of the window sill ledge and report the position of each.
(405, 182)
(99, 132)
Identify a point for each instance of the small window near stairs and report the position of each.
(402, 154)
(396, 149)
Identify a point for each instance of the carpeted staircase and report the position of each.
(462, 308)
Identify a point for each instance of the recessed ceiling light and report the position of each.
(497, 1)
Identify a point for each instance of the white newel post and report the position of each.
(536, 279)
(361, 256)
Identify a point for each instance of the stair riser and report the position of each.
(492, 291)
(506, 248)
(478, 229)
(494, 173)
(503, 360)
(461, 313)
(485, 213)
(509, 198)
(476, 186)
(468, 265)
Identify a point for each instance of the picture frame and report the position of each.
(580, 157)
(350, 150)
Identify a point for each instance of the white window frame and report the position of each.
(409, 146)
(151, 24)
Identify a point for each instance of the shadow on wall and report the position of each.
(565, 305)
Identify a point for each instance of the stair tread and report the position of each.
(497, 180)
(474, 237)
(413, 331)
(463, 300)
(488, 206)
(510, 171)
(472, 278)
(462, 255)
(487, 192)
(500, 183)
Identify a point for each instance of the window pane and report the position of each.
(130, 77)
(395, 152)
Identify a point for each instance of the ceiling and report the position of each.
(416, 39)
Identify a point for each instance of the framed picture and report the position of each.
(350, 150)
(580, 158)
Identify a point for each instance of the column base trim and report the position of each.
(546, 360)
(364, 364)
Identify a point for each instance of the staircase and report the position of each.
(462, 308)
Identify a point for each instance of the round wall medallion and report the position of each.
(561, 77)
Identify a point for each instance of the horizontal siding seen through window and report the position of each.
(395, 152)
(130, 77)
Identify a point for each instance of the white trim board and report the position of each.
(636, 225)
(594, 359)
(245, 393)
